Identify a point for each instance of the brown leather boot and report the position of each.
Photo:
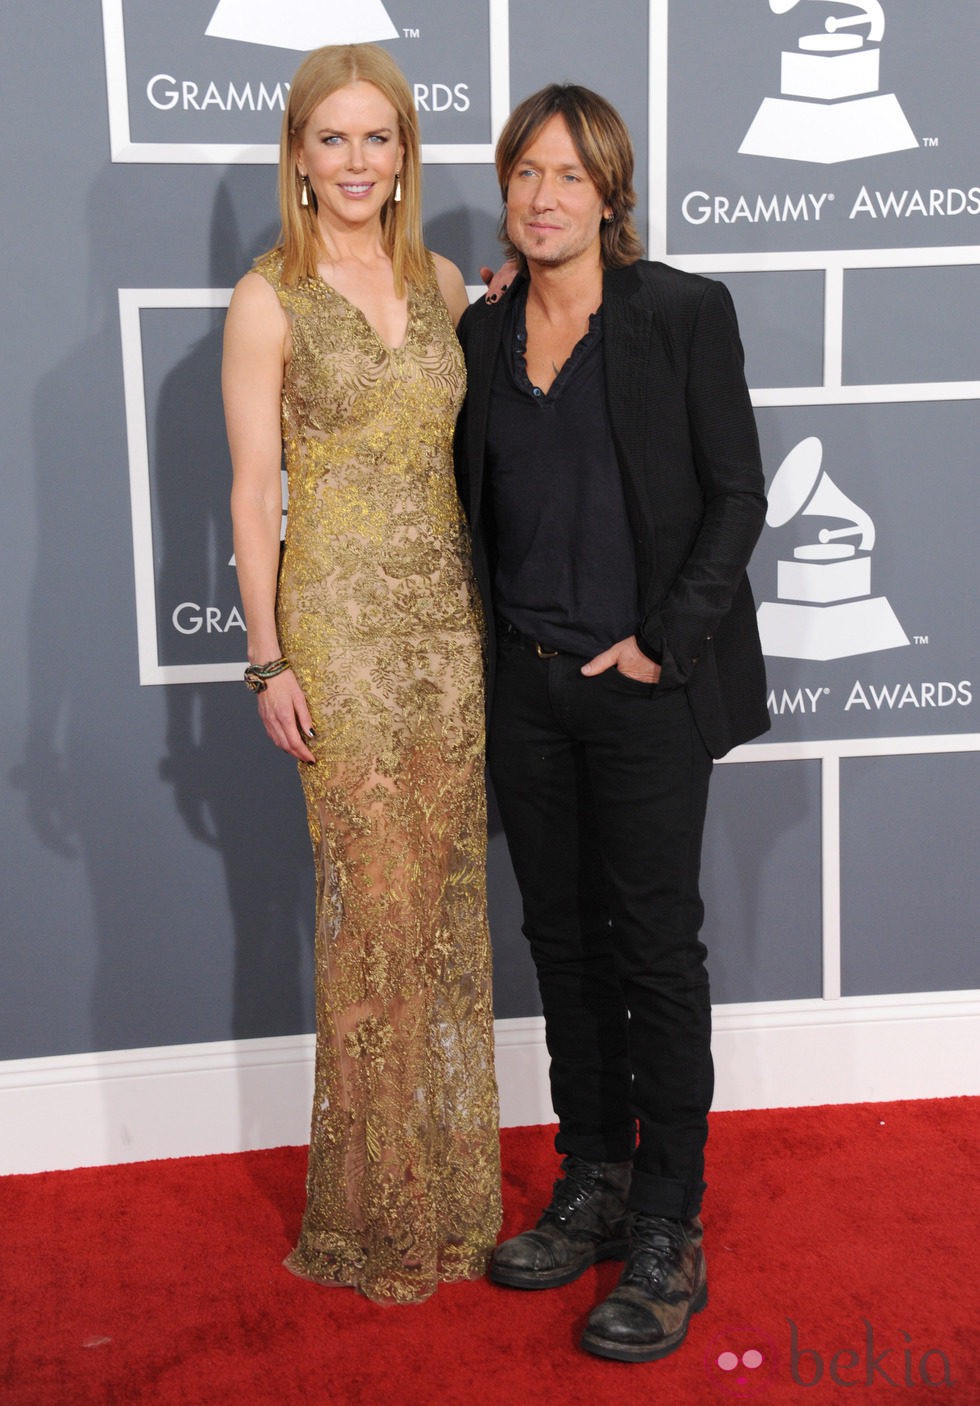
(585, 1222)
(663, 1283)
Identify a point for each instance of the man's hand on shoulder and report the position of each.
(498, 283)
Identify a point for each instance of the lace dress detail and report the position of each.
(379, 615)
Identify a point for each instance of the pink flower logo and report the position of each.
(740, 1361)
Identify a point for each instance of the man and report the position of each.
(609, 465)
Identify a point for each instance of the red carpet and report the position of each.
(842, 1250)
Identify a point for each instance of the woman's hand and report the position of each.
(285, 715)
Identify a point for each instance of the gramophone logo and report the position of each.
(830, 108)
(825, 609)
(301, 24)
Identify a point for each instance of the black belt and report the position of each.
(510, 632)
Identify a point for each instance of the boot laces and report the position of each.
(656, 1244)
(572, 1189)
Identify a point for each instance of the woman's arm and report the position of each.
(255, 353)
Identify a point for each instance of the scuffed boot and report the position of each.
(586, 1222)
(663, 1283)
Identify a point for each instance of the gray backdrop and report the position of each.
(158, 883)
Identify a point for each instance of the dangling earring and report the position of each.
(398, 190)
(304, 197)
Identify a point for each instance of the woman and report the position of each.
(364, 649)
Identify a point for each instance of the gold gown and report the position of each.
(379, 616)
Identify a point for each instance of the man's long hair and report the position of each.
(601, 138)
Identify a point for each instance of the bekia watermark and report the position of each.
(740, 1361)
(865, 1365)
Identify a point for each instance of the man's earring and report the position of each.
(304, 198)
(398, 190)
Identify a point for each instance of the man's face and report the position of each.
(554, 211)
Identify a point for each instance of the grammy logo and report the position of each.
(830, 109)
(825, 609)
(301, 24)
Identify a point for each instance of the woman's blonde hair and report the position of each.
(321, 73)
(602, 140)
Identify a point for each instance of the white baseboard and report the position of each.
(187, 1100)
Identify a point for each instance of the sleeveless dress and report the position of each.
(379, 615)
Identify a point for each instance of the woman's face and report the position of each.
(349, 151)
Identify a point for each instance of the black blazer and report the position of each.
(688, 452)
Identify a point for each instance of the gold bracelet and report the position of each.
(256, 675)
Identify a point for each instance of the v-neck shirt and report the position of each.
(566, 568)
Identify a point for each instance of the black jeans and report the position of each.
(602, 785)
